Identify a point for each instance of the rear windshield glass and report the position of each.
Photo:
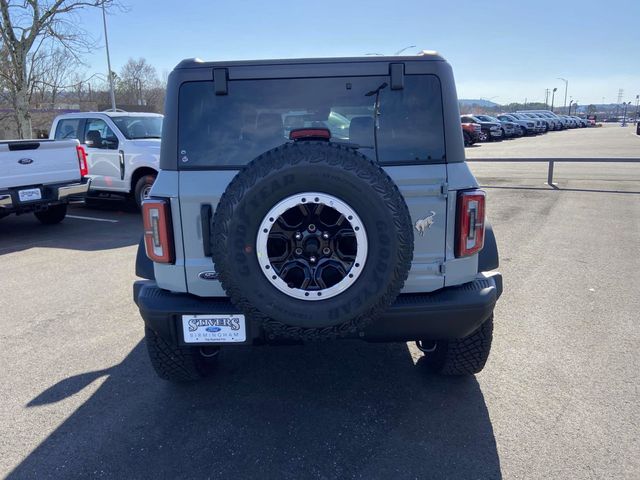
(258, 115)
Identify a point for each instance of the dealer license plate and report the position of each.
(214, 328)
(29, 195)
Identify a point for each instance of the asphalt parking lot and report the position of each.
(557, 399)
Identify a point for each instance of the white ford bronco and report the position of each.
(312, 199)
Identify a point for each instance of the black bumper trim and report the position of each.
(452, 312)
(52, 194)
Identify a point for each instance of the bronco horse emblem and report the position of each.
(425, 223)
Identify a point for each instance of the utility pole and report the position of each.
(546, 98)
(553, 95)
(637, 102)
(620, 95)
(566, 87)
(106, 43)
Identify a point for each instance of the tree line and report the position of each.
(42, 46)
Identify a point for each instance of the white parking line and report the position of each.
(92, 218)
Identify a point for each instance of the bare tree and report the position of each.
(28, 27)
(137, 82)
(52, 73)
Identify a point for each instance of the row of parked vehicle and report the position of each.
(486, 128)
(89, 155)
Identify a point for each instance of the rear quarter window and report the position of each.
(257, 115)
(68, 129)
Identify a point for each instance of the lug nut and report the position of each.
(325, 235)
(312, 259)
(311, 228)
(326, 250)
(298, 251)
(298, 236)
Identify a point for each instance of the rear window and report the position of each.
(258, 115)
(68, 129)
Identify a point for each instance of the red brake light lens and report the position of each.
(470, 222)
(310, 133)
(158, 236)
(82, 161)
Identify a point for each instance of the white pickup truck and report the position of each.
(39, 176)
(123, 149)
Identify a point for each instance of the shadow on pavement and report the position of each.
(326, 410)
(22, 232)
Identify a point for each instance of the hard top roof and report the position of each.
(110, 113)
(425, 55)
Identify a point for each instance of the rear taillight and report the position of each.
(82, 161)
(158, 237)
(470, 222)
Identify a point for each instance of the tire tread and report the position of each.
(466, 356)
(174, 363)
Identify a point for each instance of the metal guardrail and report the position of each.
(552, 161)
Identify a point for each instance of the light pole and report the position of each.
(106, 42)
(138, 88)
(403, 49)
(566, 87)
(570, 102)
(553, 95)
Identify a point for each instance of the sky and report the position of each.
(505, 51)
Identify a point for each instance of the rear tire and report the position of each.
(178, 364)
(465, 356)
(467, 139)
(143, 186)
(52, 215)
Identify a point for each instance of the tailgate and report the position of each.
(424, 189)
(421, 185)
(38, 162)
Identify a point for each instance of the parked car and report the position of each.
(527, 127)
(123, 149)
(540, 125)
(489, 130)
(471, 133)
(582, 122)
(255, 237)
(548, 123)
(554, 122)
(40, 176)
(508, 128)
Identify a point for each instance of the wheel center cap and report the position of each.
(311, 245)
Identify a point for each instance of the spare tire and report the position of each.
(312, 239)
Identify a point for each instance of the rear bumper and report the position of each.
(452, 312)
(51, 195)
